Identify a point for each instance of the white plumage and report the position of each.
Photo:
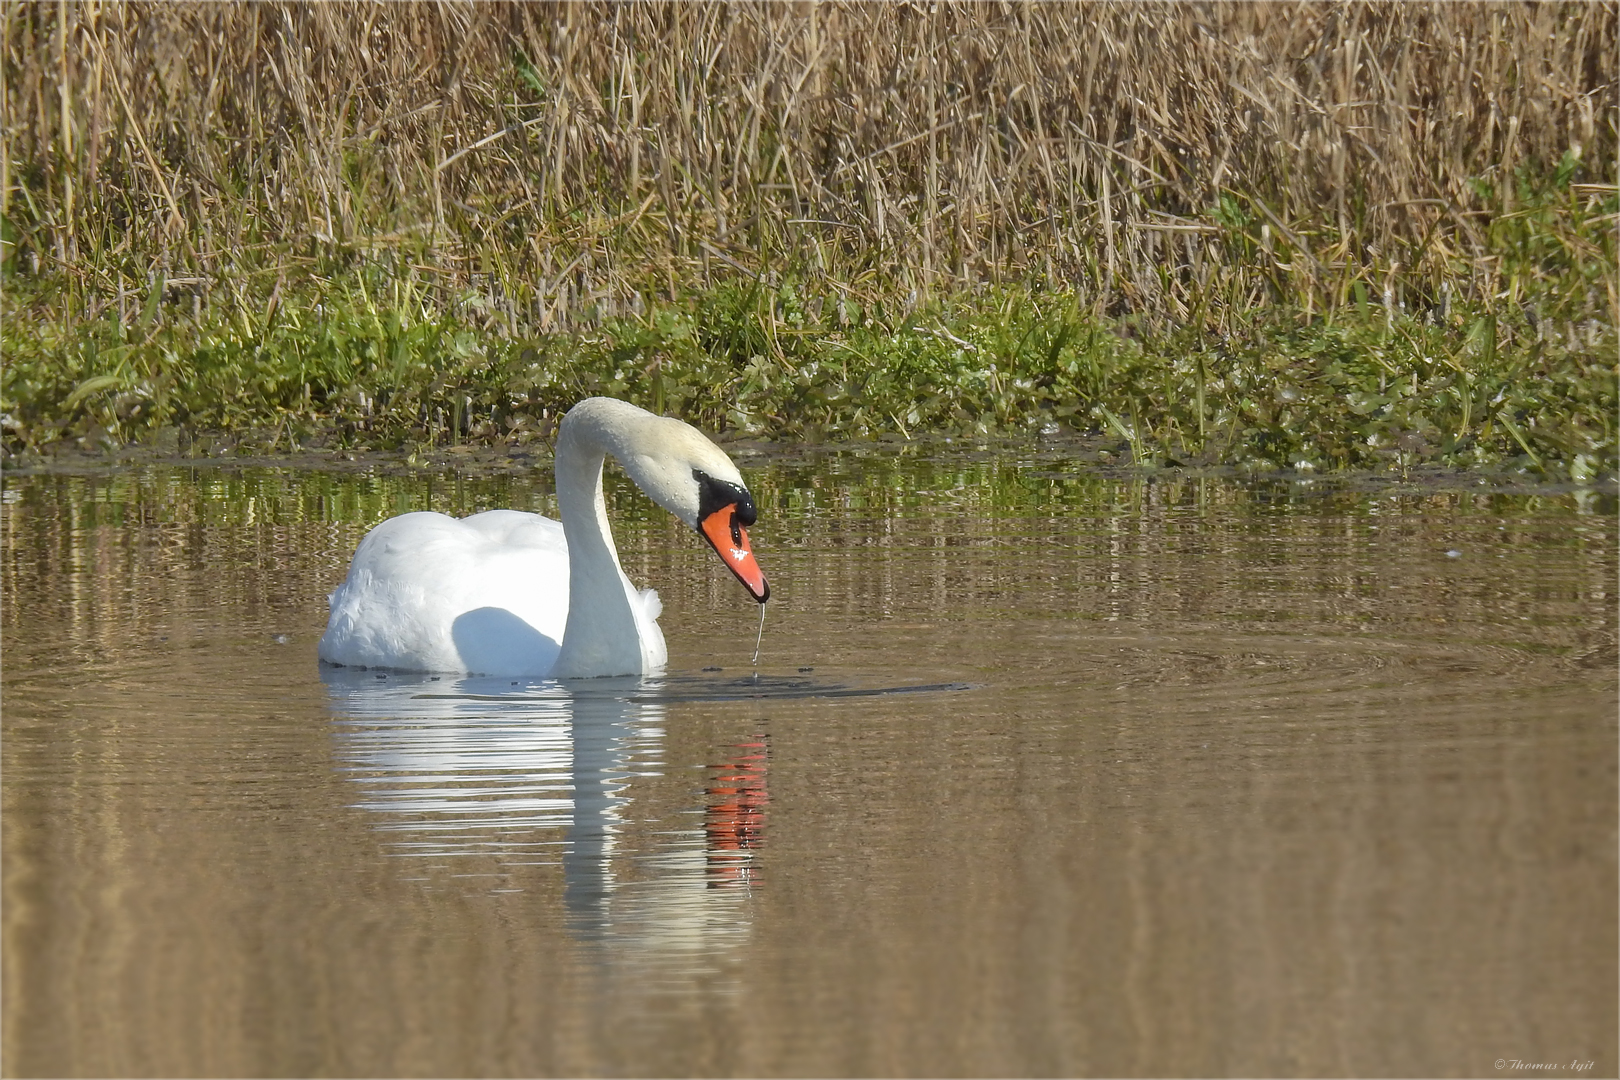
(498, 594)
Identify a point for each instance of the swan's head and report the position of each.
(693, 479)
(685, 473)
(725, 510)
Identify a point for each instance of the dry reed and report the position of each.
(1185, 159)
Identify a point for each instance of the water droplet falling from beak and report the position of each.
(761, 635)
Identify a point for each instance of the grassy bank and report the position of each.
(1318, 237)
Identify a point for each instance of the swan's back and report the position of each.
(486, 594)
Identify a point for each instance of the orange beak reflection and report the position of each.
(730, 541)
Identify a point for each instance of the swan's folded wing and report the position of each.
(487, 595)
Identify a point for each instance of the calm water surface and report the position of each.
(1247, 779)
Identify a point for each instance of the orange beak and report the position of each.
(730, 541)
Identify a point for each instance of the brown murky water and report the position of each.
(1248, 779)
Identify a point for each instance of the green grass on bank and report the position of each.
(351, 349)
(1320, 236)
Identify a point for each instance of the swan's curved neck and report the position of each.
(601, 636)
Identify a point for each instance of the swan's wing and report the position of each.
(487, 594)
(517, 529)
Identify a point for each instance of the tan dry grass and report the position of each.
(582, 155)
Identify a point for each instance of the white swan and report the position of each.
(509, 593)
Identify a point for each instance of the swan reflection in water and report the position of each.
(480, 778)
